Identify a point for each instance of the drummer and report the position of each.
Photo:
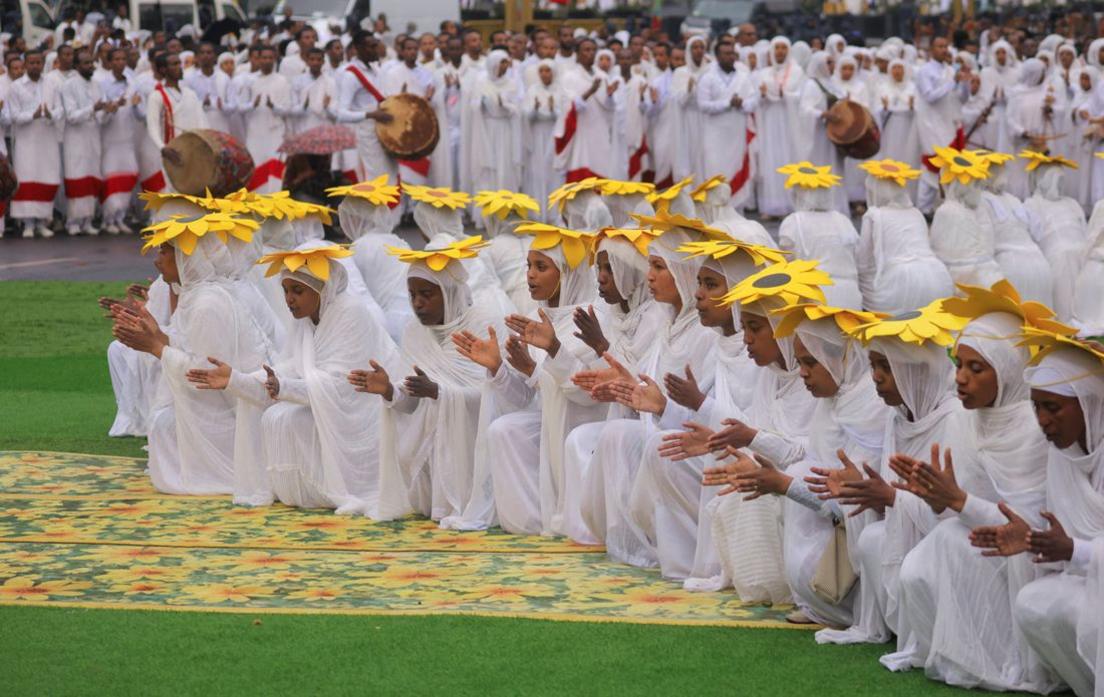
(359, 93)
(184, 111)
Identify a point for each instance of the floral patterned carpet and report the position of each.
(90, 531)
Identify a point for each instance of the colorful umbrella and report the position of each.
(320, 140)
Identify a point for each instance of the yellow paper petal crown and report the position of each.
(963, 165)
(316, 261)
(378, 191)
(995, 158)
(929, 323)
(279, 205)
(1003, 297)
(438, 259)
(699, 192)
(1043, 342)
(439, 197)
(576, 245)
(788, 282)
(665, 220)
(154, 200)
(892, 170)
(809, 176)
(661, 200)
(719, 249)
(568, 191)
(502, 203)
(184, 231)
(616, 187)
(1036, 159)
(847, 320)
(639, 237)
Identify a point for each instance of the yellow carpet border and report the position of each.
(368, 612)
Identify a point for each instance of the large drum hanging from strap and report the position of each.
(853, 130)
(209, 161)
(413, 131)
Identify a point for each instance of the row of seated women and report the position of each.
(683, 392)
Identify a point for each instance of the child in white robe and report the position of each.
(1062, 231)
(897, 269)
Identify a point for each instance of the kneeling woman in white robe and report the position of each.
(135, 375)
(961, 240)
(1062, 231)
(957, 602)
(898, 270)
(848, 417)
(429, 428)
(321, 448)
(917, 381)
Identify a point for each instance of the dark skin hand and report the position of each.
(871, 493)
(1052, 544)
(936, 485)
(735, 434)
(420, 385)
(828, 483)
(590, 331)
(1002, 540)
(684, 391)
(374, 381)
(763, 480)
(517, 355)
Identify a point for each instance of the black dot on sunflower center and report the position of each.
(807, 170)
(905, 316)
(772, 280)
(962, 162)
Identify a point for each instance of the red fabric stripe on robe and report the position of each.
(958, 143)
(420, 166)
(154, 182)
(577, 175)
(36, 192)
(744, 174)
(80, 188)
(118, 184)
(636, 160)
(571, 121)
(271, 169)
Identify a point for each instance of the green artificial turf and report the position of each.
(55, 394)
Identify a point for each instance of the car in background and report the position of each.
(715, 17)
(34, 18)
(425, 15)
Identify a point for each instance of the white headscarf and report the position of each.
(630, 275)
(885, 193)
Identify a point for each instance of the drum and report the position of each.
(413, 132)
(209, 160)
(8, 182)
(853, 130)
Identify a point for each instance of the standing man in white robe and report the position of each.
(726, 98)
(942, 91)
(265, 102)
(172, 108)
(583, 133)
(406, 75)
(35, 157)
(82, 145)
(661, 109)
(210, 85)
(780, 92)
(313, 93)
(358, 100)
(120, 152)
(689, 161)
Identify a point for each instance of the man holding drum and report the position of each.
(358, 98)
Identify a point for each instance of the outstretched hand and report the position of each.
(726, 474)
(1002, 540)
(216, 378)
(484, 352)
(590, 330)
(374, 381)
(693, 442)
(828, 483)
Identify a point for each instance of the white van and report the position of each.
(172, 14)
(36, 16)
(426, 15)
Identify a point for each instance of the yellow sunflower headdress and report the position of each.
(378, 191)
(316, 260)
(279, 205)
(576, 245)
(664, 221)
(847, 320)
(1037, 159)
(787, 283)
(995, 158)
(639, 237)
(156, 199)
(1043, 342)
(568, 191)
(438, 259)
(184, 231)
(806, 175)
(661, 200)
(440, 197)
(699, 192)
(615, 187)
(502, 203)
(892, 170)
(1003, 297)
(719, 249)
(929, 323)
(964, 165)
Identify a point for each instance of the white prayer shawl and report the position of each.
(1088, 311)
(852, 420)
(814, 231)
(959, 603)
(120, 153)
(1027, 118)
(1063, 235)
(201, 441)
(998, 84)
(1013, 228)
(433, 442)
(81, 147)
(939, 105)
(632, 147)
(35, 156)
(727, 129)
(135, 375)
(496, 156)
(309, 95)
(897, 269)
(663, 124)
(961, 241)
(895, 111)
(1075, 490)
(211, 92)
(621, 208)
(541, 107)
(370, 227)
(584, 131)
(632, 333)
(777, 120)
(690, 151)
(265, 128)
(856, 90)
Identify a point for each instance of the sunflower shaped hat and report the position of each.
(812, 185)
(207, 245)
(316, 264)
(887, 183)
(367, 207)
(623, 198)
(438, 213)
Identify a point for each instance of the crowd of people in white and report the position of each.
(636, 364)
